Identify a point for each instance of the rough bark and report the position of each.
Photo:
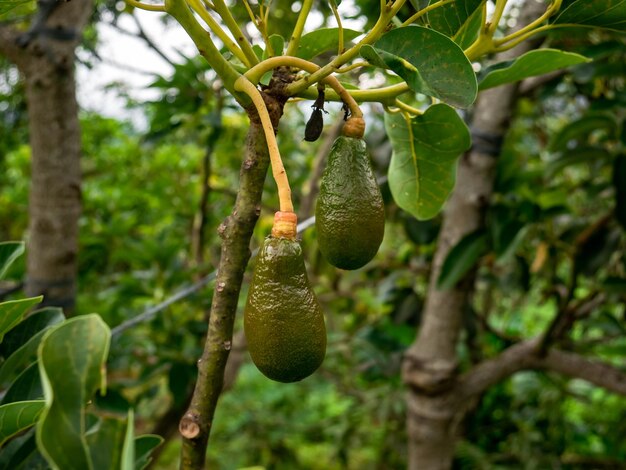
(45, 56)
(236, 232)
(430, 364)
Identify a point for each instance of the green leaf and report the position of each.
(8, 5)
(144, 445)
(619, 183)
(12, 312)
(278, 44)
(449, 19)
(430, 62)
(128, 450)
(105, 441)
(580, 129)
(27, 386)
(21, 453)
(72, 365)
(468, 32)
(15, 417)
(20, 345)
(461, 258)
(530, 64)
(423, 164)
(35, 322)
(321, 40)
(9, 252)
(609, 14)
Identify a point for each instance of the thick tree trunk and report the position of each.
(434, 410)
(47, 63)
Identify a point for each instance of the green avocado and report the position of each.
(350, 213)
(283, 322)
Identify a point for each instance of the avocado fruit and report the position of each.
(350, 213)
(283, 321)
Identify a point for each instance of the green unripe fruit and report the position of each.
(283, 322)
(350, 213)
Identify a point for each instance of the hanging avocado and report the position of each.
(350, 214)
(283, 322)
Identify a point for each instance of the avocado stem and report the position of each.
(260, 69)
(244, 85)
(285, 225)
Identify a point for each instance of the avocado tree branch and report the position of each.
(256, 72)
(179, 10)
(219, 32)
(231, 24)
(523, 356)
(377, 31)
(412, 19)
(294, 41)
(236, 232)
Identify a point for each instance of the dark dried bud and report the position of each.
(314, 126)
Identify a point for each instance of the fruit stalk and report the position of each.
(278, 170)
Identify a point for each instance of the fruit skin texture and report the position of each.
(283, 322)
(350, 213)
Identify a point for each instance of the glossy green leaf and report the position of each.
(144, 446)
(105, 441)
(278, 44)
(128, 449)
(449, 19)
(34, 323)
(7, 5)
(20, 345)
(321, 40)
(20, 453)
(12, 312)
(619, 183)
(423, 164)
(580, 129)
(468, 32)
(17, 416)
(9, 252)
(72, 365)
(609, 14)
(461, 258)
(27, 386)
(530, 64)
(430, 62)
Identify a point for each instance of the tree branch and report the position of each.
(523, 356)
(236, 232)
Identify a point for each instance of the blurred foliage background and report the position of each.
(142, 192)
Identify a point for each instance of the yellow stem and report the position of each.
(294, 42)
(339, 26)
(408, 108)
(278, 170)
(250, 13)
(379, 28)
(145, 6)
(256, 72)
(425, 10)
(495, 18)
(385, 95)
(512, 44)
(553, 8)
(356, 65)
(233, 27)
(219, 32)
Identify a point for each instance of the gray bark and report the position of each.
(430, 365)
(46, 60)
